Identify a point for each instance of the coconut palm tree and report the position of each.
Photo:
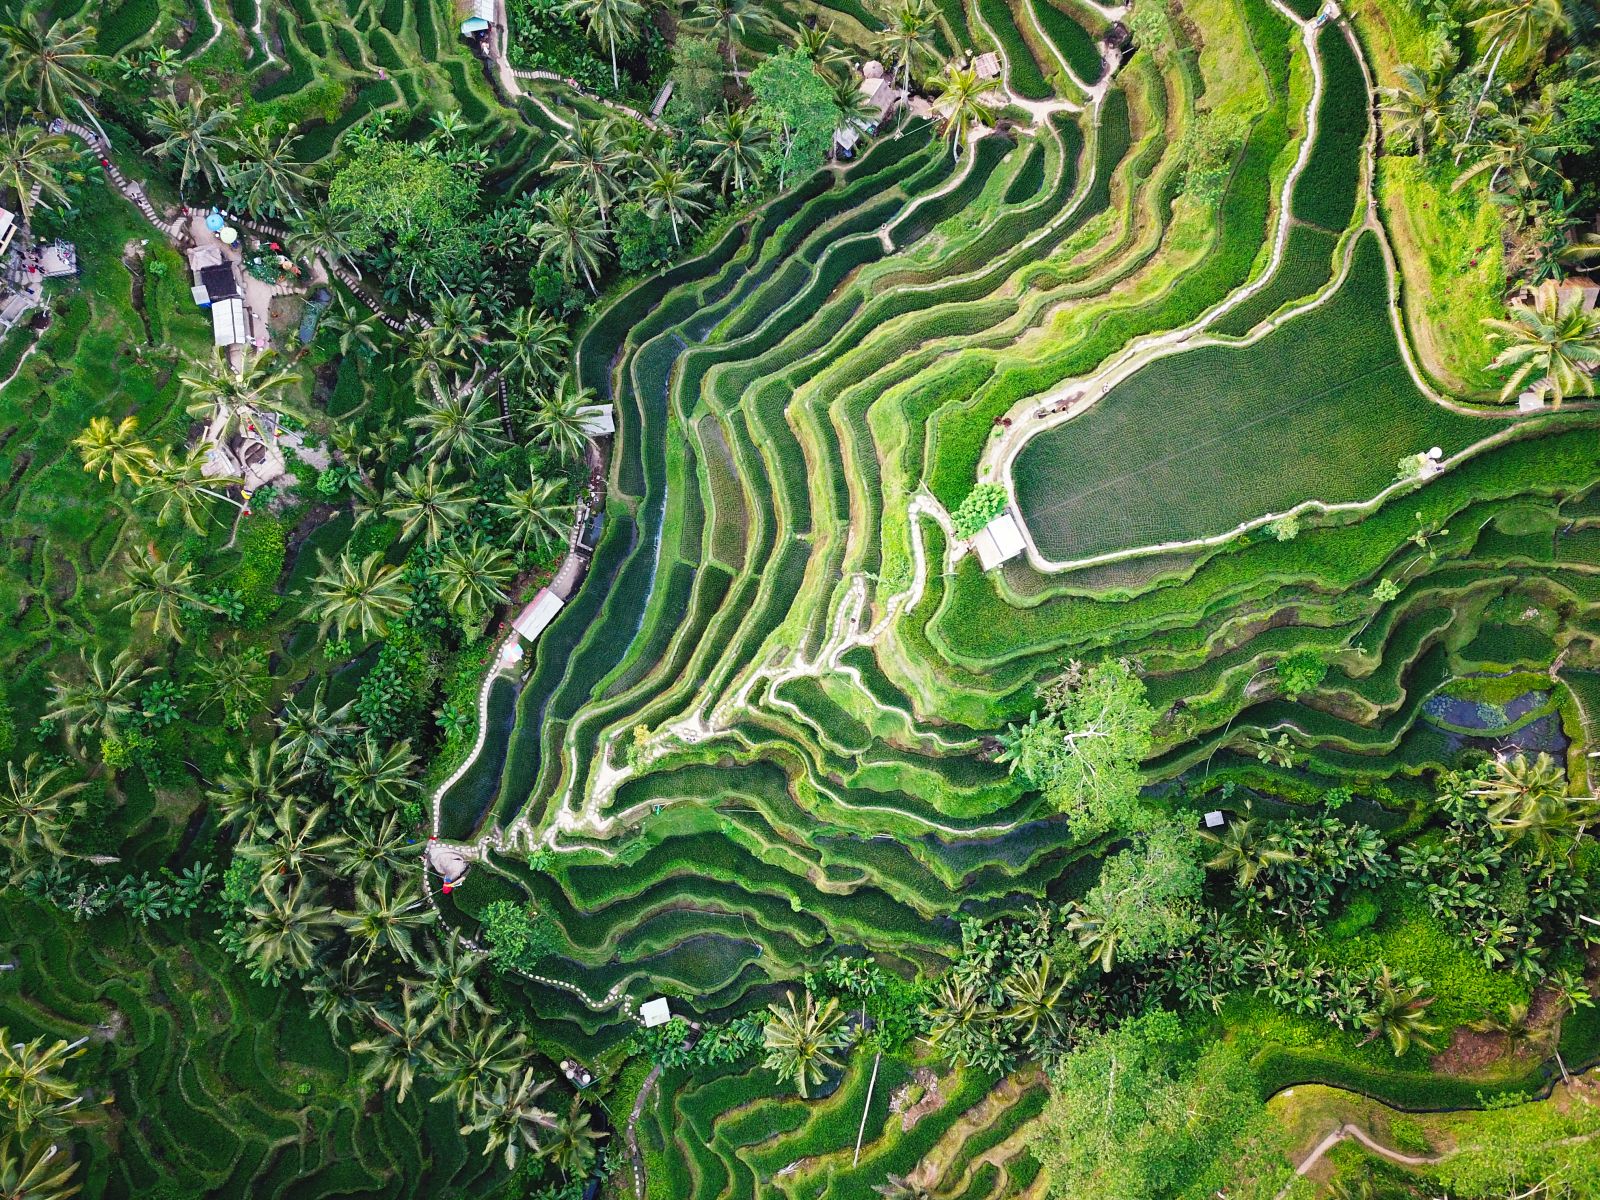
(907, 38)
(374, 848)
(508, 1114)
(236, 680)
(1522, 152)
(269, 179)
(115, 450)
(389, 911)
(489, 1053)
(571, 234)
(350, 596)
(357, 330)
(1245, 849)
(31, 158)
(954, 1008)
(403, 1047)
(54, 61)
(670, 189)
(734, 140)
(1416, 106)
(245, 796)
(291, 840)
(342, 992)
(1397, 1010)
(97, 704)
(309, 732)
(180, 483)
(34, 1094)
(34, 808)
(35, 1170)
(327, 233)
(574, 1143)
(538, 516)
(1528, 798)
(464, 425)
(1516, 1027)
(800, 1040)
(817, 43)
(1035, 995)
(1548, 340)
(375, 778)
(534, 347)
(285, 924)
(1524, 24)
(447, 987)
(419, 500)
(558, 422)
(731, 21)
(608, 22)
(457, 323)
(472, 578)
(163, 589)
(1094, 920)
(589, 153)
(194, 131)
(212, 384)
(854, 109)
(962, 104)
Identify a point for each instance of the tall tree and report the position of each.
(539, 519)
(404, 1045)
(459, 426)
(35, 805)
(35, 1094)
(1549, 340)
(1523, 24)
(35, 1170)
(162, 589)
(908, 37)
(374, 777)
(731, 21)
(115, 450)
(794, 103)
(419, 500)
(362, 595)
(573, 1143)
(185, 488)
(608, 22)
(245, 796)
(962, 103)
(32, 159)
(309, 731)
(194, 131)
(508, 1113)
(589, 153)
(473, 577)
(800, 1040)
(285, 924)
(1397, 1009)
(489, 1053)
(533, 346)
(735, 141)
(1417, 106)
(269, 180)
(559, 423)
(53, 60)
(669, 188)
(389, 912)
(571, 234)
(98, 703)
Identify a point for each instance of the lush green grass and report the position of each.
(1200, 441)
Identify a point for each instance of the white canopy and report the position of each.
(228, 326)
(999, 541)
(540, 611)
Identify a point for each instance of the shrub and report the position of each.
(519, 935)
(983, 504)
(1302, 672)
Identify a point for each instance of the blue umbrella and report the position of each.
(215, 222)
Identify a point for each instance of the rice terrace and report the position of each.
(800, 599)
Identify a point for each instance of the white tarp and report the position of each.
(541, 610)
(228, 327)
(999, 541)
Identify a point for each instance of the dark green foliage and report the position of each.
(1325, 193)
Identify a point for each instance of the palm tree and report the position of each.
(538, 516)
(961, 103)
(235, 680)
(34, 1095)
(250, 795)
(1525, 24)
(1245, 850)
(285, 926)
(269, 177)
(309, 733)
(1397, 1008)
(731, 21)
(472, 578)
(954, 1008)
(506, 1111)
(327, 233)
(670, 189)
(734, 140)
(115, 450)
(213, 384)
(902, 1187)
(1548, 340)
(33, 1171)
(464, 425)
(349, 596)
(387, 917)
(588, 151)
(31, 157)
(404, 1045)
(163, 589)
(340, 993)
(854, 109)
(447, 987)
(97, 704)
(294, 845)
(418, 500)
(571, 234)
(1417, 106)
(374, 849)
(800, 1040)
(608, 22)
(816, 43)
(489, 1053)
(358, 331)
(1516, 1026)
(53, 61)
(1094, 920)
(572, 1147)
(908, 37)
(374, 778)
(184, 488)
(457, 323)
(1529, 798)
(534, 347)
(559, 423)
(194, 132)
(34, 808)
(1035, 995)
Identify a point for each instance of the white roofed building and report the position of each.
(999, 541)
(537, 614)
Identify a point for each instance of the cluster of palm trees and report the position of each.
(1501, 118)
(37, 1103)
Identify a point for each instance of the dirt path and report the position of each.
(632, 1132)
(1352, 1131)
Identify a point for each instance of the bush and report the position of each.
(1302, 672)
(519, 935)
(983, 504)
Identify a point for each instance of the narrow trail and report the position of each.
(1356, 1133)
